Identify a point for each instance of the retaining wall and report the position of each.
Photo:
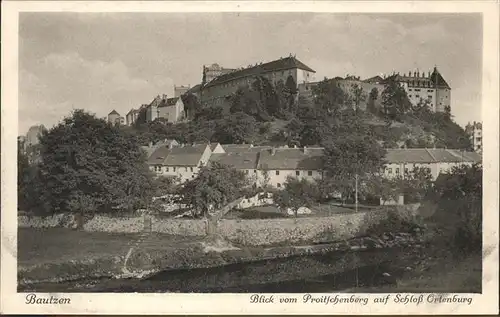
(252, 232)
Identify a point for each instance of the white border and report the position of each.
(11, 302)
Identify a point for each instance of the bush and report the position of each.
(395, 222)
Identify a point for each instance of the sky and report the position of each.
(105, 61)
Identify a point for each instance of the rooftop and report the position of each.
(291, 159)
(189, 155)
(279, 64)
(242, 160)
(430, 156)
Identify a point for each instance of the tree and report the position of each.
(214, 187)
(191, 105)
(296, 193)
(329, 96)
(458, 195)
(236, 128)
(372, 97)
(89, 166)
(349, 156)
(357, 96)
(28, 183)
(395, 101)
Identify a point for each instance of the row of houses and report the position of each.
(272, 165)
(169, 109)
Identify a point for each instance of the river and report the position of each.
(330, 272)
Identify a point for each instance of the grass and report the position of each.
(57, 245)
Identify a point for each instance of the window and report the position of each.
(397, 170)
(410, 89)
(310, 173)
(278, 185)
(430, 90)
(430, 97)
(307, 87)
(409, 96)
(173, 168)
(166, 169)
(185, 169)
(192, 170)
(418, 96)
(297, 173)
(192, 176)
(255, 171)
(247, 172)
(277, 172)
(389, 171)
(417, 89)
(406, 171)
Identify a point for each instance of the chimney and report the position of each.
(414, 74)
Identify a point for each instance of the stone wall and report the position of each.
(255, 232)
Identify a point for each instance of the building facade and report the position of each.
(180, 90)
(33, 134)
(401, 162)
(115, 118)
(430, 88)
(221, 88)
(475, 132)
(215, 70)
(131, 117)
(170, 109)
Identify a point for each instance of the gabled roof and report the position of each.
(291, 159)
(438, 79)
(242, 160)
(159, 155)
(430, 156)
(213, 146)
(113, 112)
(178, 155)
(168, 102)
(132, 111)
(185, 155)
(232, 148)
(279, 64)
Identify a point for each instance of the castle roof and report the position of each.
(438, 79)
(280, 64)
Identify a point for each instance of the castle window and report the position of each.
(297, 173)
(173, 168)
(430, 97)
(389, 171)
(191, 169)
(410, 89)
(397, 170)
(309, 173)
(409, 96)
(277, 172)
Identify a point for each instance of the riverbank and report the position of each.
(62, 255)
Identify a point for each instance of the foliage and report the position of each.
(236, 128)
(329, 96)
(395, 101)
(356, 96)
(296, 193)
(89, 166)
(214, 187)
(28, 184)
(351, 155)
(191, 105)
(459, 195)
(372, 97)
